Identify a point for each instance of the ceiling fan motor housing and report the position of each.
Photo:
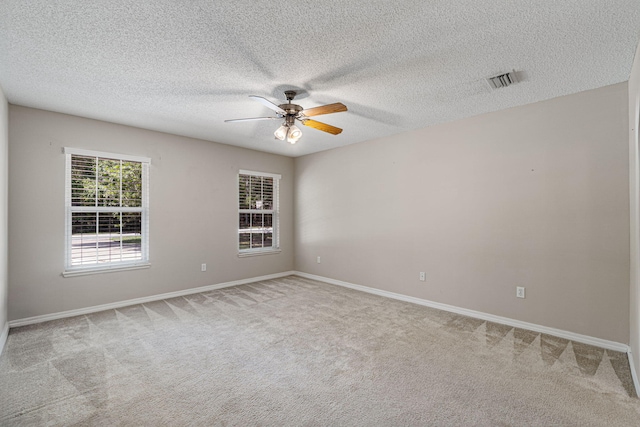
(292, 110)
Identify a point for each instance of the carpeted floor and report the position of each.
(296, 352)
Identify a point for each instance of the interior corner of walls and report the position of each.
(4, 334)
(4, 164)
(634, 371)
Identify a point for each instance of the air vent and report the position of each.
(502, 80)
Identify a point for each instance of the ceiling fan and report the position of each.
(291, 112)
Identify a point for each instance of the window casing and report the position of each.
(107, 211)
(258, 212)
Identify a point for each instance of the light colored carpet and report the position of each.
(295, 352)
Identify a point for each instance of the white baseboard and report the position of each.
(120, 304)
(3, 336)
(598, 342)
(585, 339)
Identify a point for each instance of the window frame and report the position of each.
(74, 270)
(275, 246)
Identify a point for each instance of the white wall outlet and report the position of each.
(423, 276)
(520, 291)
(203, 267)
(318, 260)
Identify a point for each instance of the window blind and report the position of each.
(258, 208)
(107, 215)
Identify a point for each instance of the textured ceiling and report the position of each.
(185, 67)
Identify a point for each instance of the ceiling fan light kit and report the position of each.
(281, 132)
(291, 112)
(291, 133)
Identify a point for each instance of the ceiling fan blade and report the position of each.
(325, 109)
(268, 104)
(322, 126)
(252, 119)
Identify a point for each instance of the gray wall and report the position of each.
(4, 146)
(193, 213)
(533, 196)
(634, 196)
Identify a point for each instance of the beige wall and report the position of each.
(193, 213)
(4, 145)
(634, 185)
(533, 196)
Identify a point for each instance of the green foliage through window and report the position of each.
(106, 182)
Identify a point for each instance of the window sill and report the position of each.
(87, 271)
(257, 253)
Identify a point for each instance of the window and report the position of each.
(258, 195)
(107, 211)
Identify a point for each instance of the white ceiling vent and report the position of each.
(502, 80)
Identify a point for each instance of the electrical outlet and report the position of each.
(423, 276)
(203, 267)
(318, 260)
(520, 291)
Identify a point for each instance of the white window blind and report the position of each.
(258, 219)
(107, 210)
